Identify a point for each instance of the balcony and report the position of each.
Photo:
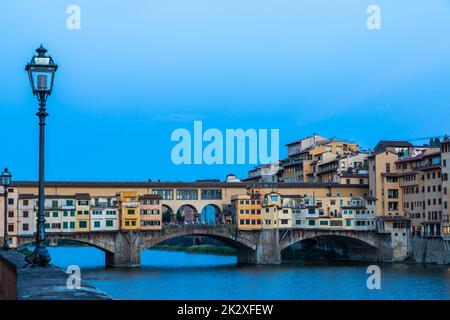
(103, 205)
(130, 204)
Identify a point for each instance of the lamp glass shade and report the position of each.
(6, 178)
(41, 72)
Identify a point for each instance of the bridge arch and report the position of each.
(101, 242)
(220, 233)
(354, 245)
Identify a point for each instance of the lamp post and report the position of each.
(41, 71)
(6, 181)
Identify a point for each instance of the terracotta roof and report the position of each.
(59, 196)
(418, 157)
(27, 196)
(82, 196)
(394, 174)
(393, 143)
(375, 153)
(354, 175)
(156, 185)
(150, 196)
(292, 196)
(432, 167)
(393, 218)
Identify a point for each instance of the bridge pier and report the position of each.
(127, 253)
(267, 249)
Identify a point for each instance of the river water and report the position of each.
(180, 275)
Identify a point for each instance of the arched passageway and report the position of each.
(210, 214)
(187, 214)
(167, 214)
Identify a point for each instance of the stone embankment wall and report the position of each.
(435, 251)
(18, 282)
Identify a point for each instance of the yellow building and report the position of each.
(129, 210)
(247, 210)
(82, 212)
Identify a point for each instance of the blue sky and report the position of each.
(139, 69)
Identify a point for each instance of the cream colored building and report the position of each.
(445, 167)
(104, 213)
(309, 159)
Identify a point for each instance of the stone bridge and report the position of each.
(124, 248)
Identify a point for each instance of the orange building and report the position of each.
(150, 212)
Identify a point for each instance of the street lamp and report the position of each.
(41, 71)
(6, 181)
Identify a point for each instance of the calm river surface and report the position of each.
(179, 275)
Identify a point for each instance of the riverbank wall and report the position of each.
(432, 251)
(18, 282)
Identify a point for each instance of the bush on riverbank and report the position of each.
(203, 249)
(24, 250)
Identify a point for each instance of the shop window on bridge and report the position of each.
(312, 222)
(166, 194)
(187, 194)
(109, 223)
(211, 194)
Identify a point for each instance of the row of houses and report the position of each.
(274, 210)
(332, 185)
(80, 212)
